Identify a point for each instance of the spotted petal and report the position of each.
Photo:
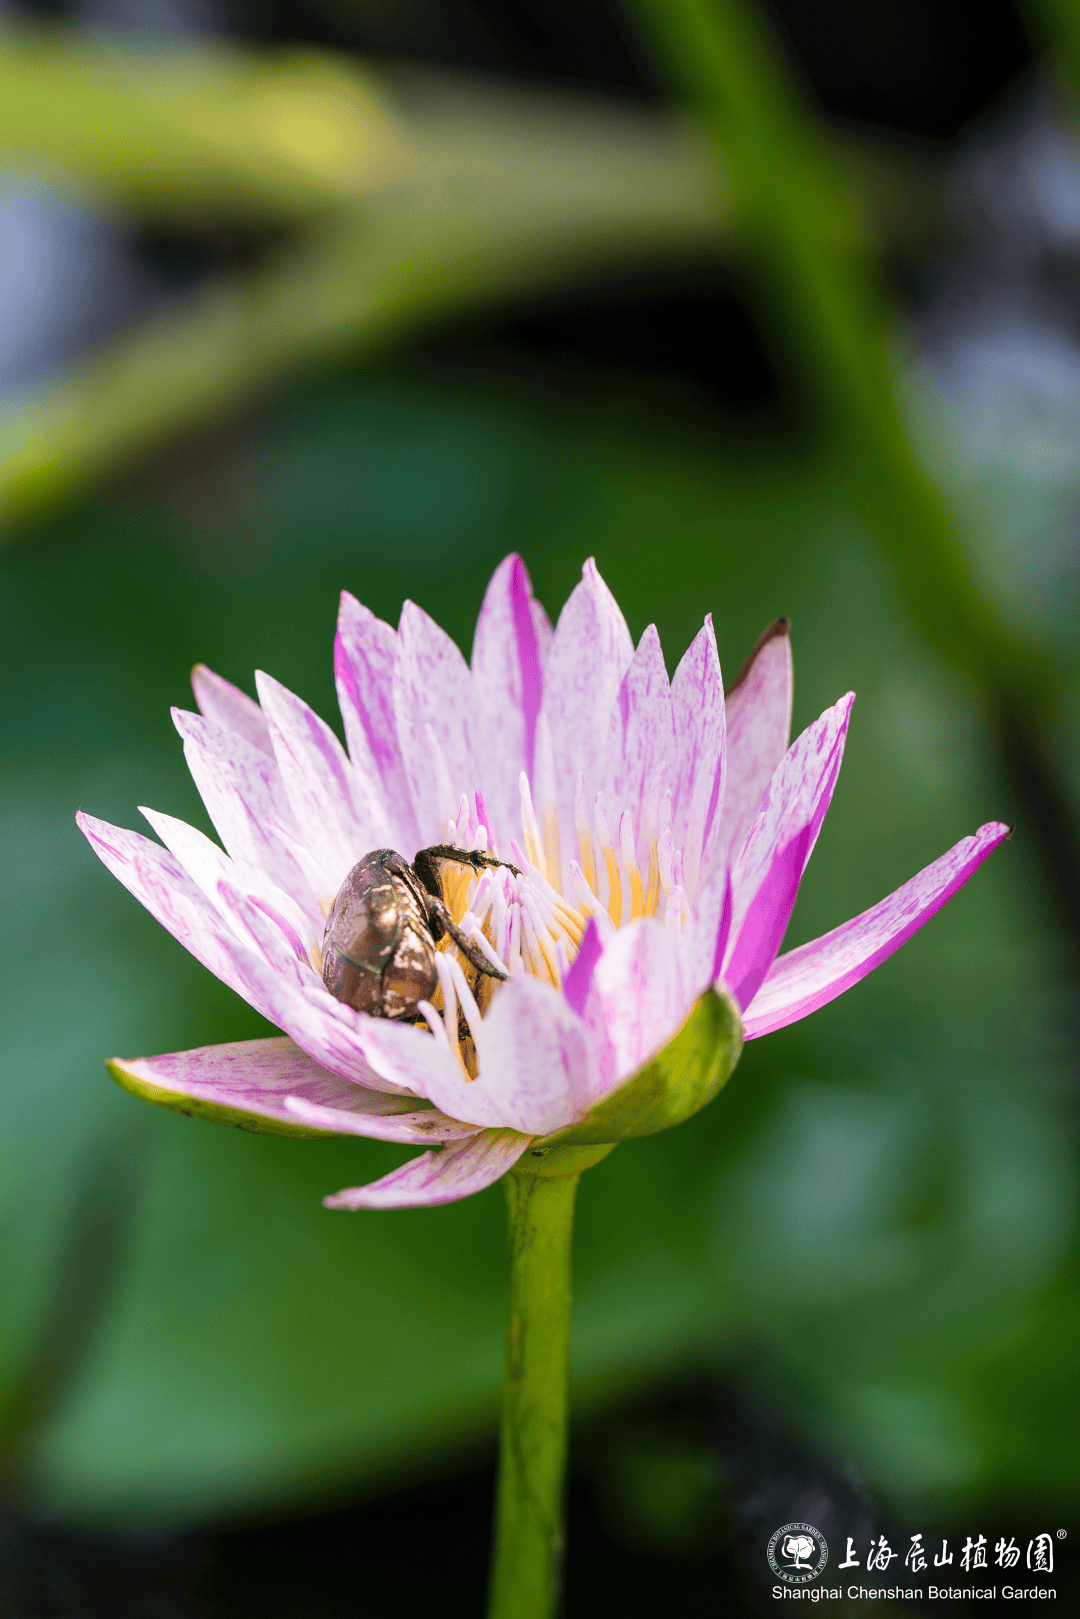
(590, 653)
(271, 1087)
(697, 694)
(811, 976)
(637, 999)
(508, 682)
(245, 797)
(443, 1177)
(365, 653)
(230, 708)
(797, 798)
(536, 1060)
(640, 753)
(758, 731)
(437, 724)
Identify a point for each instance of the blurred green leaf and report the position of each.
(502, 193)
(822, 290)
(194, 131)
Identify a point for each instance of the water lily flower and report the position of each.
(653, 835)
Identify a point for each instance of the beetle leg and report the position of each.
(443, 922)
(426, 869)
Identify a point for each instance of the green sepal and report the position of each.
(194, 1107)
(682, 1078)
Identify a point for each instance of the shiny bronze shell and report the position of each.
(378, 950)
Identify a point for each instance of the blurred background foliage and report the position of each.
(769, 313)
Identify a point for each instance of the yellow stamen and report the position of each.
(603, 837)
(542, 941)
(534, 847)
(584, 836)
(614, 904)
(629, 855)
(552, 850)
(572, 923)
(652, 892)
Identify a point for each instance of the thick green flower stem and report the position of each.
(536, 1385)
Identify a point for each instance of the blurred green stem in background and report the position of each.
(812, 258)
(196, 131)
(430, 194)
(528, 1549)
(490, 194)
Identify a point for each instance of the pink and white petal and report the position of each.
(415, 1125)
(159, 882)
(365, 652)
(755, 945)
(758, 733)
(274, 1079)
(266, 932)
(232, 709)
(578, 979)
(339, 816)
(244, 795)
(290, 996)
(207, 865)
(542, 630)
(638, 998)
(535, 1058)
(641, 742)
(507, 680)
(798, 796)
(816, 973)
(697, 695)
(705, 938)
(442, 1177)
(410, 1058)
(591, 651)
(437, 723)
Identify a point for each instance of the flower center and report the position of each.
(533, 920)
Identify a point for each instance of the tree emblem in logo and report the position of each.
(798, 1553)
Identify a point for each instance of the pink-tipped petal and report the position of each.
(697, 695)
(637, 1000)
(244, 795)
(798, 796)
(159, 882)
(761, 932)
(274, 1079)
(577, 981)
(706, 937)
(226, 705)
(641, 741)
(535, 1057)
(590, 653)
(507, 678)
(408, 1057)
(339, 817)
(437, 723)
(543, 632)
(365, 652)
(415, 1125)
(442, 1177)
(816, 973)
(758, 733)
(208, 866)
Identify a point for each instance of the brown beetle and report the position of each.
(379, 943)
